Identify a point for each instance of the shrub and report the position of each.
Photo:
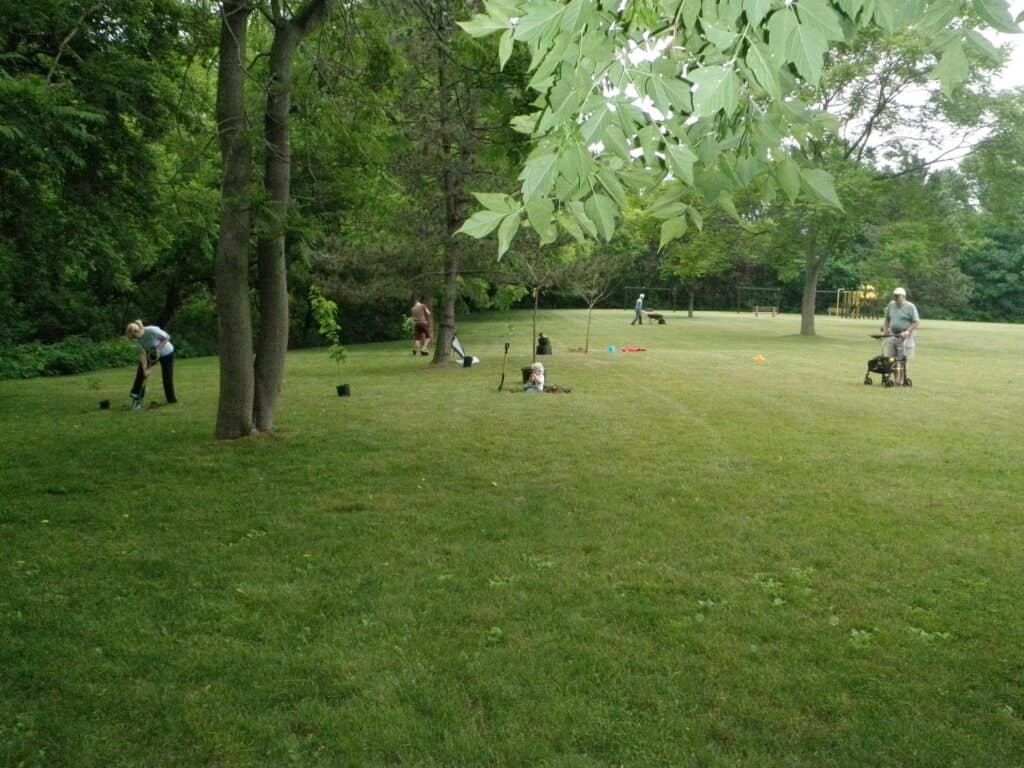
(76, 354)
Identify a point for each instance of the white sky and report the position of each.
(1013, 74)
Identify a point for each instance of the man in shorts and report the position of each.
(901, 319)
(423, 330)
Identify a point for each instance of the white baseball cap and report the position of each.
(899, 292)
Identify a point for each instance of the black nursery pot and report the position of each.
(526, 373)
(104, 405)
(343, 390)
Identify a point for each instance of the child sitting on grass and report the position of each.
(536, 381)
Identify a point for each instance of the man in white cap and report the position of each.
(637, 316)
(901, 319)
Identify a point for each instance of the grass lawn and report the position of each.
(693, 559)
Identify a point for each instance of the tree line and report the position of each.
(193, 162)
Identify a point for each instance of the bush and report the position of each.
(75, 354)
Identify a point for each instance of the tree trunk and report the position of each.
(533, 343)
(272, 282)
(586, 346)
(234, 321)
(449, 189)
(812, 270)
(689, 306)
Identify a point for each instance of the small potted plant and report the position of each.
(326, 313)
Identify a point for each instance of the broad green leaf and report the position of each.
(593, 129)
(680, 161)
(505, 48)
(481, 25)
(507, 231)
(668, 211)
(570, 225)
(788, 174)
(496, 201)
(715, 88)
(672, 229)
(886, 14)
(650, 139)
(539, 21)
(756, 10)
(807, 50)
(952, 68)
(579, 213)
(851, 8)
(764, 70)
(720, 36)
(612, 186)
(615, 142)
(996, 15)
(695, 217)
(819, 15)
(782, 26)
(481, 224)
(819, 182)
(689, 11)
(938, 15)
(602, 211)
(540, 212)
(725, 202)
(977, 42)
(538, 176)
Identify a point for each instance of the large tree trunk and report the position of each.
(234, 321)
(273, 271)
(449, 189)
(813, 265)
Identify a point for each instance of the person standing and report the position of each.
(154, 345)
(901, 320)
(637, 315)
(423, 330)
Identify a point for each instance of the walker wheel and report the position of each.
(890, 383)
(867, 381)
(908, 383)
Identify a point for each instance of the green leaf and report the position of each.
(715, 88)
(586, 223)
(593, 129)
(481, 224)
(538, 176)
(807, 48)
(540, 21)
(680, 160)
(612, 185)
(996, 15)
(602, 211)
(720, 36)
(615, 142)
(819, 182)
(765, 71)
(935, 19)
(672, 229)
(788, 173)
(952, 68)
(496, 201)
(570, 225)
(725, 202)
(507, 231)
(482, 25)
(505, 48)
(977, 43)
(819, 15)
(756, 10)
(781, 29)
(540, 212)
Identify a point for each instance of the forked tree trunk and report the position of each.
(234, 321)
(273, 270)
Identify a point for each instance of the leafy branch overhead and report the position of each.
(652, 97)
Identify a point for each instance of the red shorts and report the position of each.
(422, 331)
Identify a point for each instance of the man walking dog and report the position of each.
(638, 314)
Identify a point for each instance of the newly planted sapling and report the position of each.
(326, 313)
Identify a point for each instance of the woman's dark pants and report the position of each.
(166, 372)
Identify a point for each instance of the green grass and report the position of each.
(691, 560)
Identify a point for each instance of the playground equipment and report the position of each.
(854, 303)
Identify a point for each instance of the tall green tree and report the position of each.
(249, 390)
(658, 97)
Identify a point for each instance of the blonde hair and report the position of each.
(134, 327)
(538, 367)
